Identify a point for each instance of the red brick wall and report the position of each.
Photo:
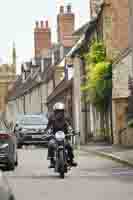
(66, 23)
(42, 38)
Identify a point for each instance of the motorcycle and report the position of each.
(61, 155)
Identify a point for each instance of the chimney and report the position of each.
(61, 9)
(42, 38)
(66, 23)
(42, 25)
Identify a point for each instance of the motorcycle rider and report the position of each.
(59, 122)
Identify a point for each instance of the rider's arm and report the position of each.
(50, 122)
(68, 120)
(68, 125)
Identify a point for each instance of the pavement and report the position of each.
(120, 154)
(95, 178)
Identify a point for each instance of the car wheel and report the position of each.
(11, 165)
(11, 197)
(19, 146)
(16, 162)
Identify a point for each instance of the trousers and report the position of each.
(52, 148)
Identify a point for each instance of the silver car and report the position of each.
(31, 129)
(5, 190)
(8, 147)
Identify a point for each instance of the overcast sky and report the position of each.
(17, 18)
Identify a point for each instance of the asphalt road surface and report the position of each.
(95, 178)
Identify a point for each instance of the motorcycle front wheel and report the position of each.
(61, 164)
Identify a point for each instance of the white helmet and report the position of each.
(59, 106)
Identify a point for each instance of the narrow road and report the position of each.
(95, 179)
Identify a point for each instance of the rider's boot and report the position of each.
(52, 163)
(73, 163)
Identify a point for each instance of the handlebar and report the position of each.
(73, 134)
(67, 135)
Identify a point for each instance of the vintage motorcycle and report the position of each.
(61, 155)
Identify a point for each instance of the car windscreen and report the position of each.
(34, 121)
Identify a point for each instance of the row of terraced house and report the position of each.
(58, 70)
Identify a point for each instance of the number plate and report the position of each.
(36, 136)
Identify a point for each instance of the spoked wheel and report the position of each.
(61, 164)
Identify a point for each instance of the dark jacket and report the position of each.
(59, 124)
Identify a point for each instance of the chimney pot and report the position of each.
(46, 24)
(37, 24)
(69, 8)
(61, 9)
(41, 24)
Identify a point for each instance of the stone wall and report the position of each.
(121, 71)
(116, 26)
(120, 120)
(131, 22)
(128, 140)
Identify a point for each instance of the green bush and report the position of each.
(130, 123)
(98, 84)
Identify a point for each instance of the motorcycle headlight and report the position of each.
(60, 135)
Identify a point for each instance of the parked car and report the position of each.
(8, 147)
(30, 130)
(5, 190)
